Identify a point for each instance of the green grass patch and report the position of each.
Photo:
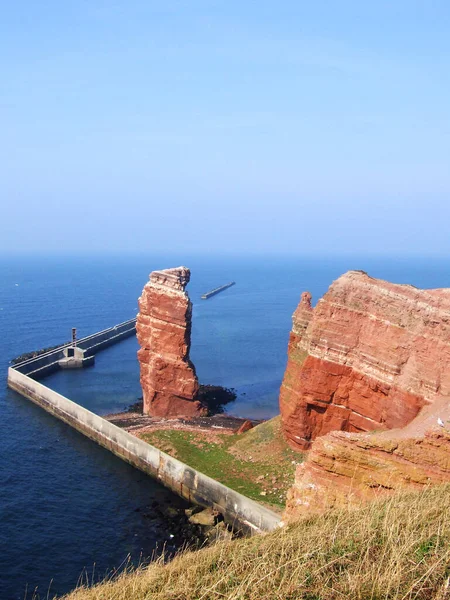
(242, 462)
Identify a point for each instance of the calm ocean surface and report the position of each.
(65, 503)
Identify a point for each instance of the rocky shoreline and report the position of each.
(133, 421)
(193, 527)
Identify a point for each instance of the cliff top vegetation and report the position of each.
(258, 463)
(395, 549)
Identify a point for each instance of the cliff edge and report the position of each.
(371, 355)
(368, 357)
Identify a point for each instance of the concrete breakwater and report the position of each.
(49, 362)
(177, 476)
(185, 481)
(215, 291)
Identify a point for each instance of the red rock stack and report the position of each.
(168, 379)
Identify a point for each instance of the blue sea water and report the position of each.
(65, 503)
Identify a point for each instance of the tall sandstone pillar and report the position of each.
(168, 379)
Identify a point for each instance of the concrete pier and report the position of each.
(67, 356)
(185, 481)
(215, 291)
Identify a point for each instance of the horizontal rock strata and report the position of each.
(168, 379)
(345, 469)
(368, 357)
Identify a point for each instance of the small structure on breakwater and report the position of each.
(74, 357)
(197, 488)
(217, 290)
(75, 354)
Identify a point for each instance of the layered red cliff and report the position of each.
(368, 357)
(371, 355)
(168, 379)
(345, 469)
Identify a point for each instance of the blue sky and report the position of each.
(224, 126)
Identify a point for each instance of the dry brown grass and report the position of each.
(398, 548)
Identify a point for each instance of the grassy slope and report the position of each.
(258, 463)
(396, 549)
